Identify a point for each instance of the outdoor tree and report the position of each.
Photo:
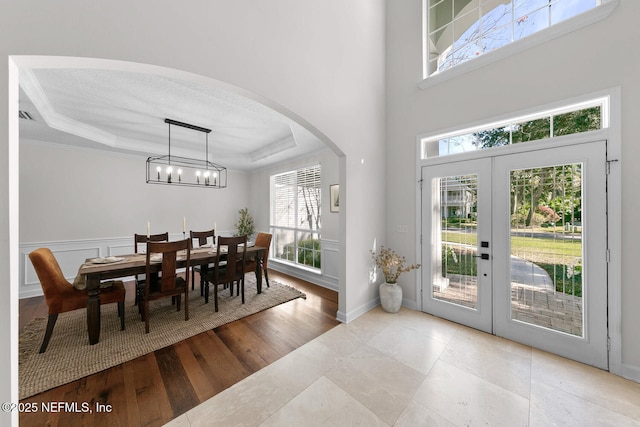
(556, 187)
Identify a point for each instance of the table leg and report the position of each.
(93, 310)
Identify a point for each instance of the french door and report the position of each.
(516, 245)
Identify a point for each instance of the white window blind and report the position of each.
(296, 215)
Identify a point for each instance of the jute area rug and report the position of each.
(70, 357)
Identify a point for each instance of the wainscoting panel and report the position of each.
(331, 260)
(328, 277)
(70, 255)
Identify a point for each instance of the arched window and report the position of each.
(460, 30)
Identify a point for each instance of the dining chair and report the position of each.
(202, 238)
(262, 240)
(169, 283)
(142, 239)
(61, 296)
(228, 267)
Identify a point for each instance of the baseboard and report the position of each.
(303, 274)
(630, 372)
(359, 311)
(410, 304)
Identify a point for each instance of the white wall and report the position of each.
(71, 193)
(598, 57)
(321, 63)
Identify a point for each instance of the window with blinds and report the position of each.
(296, 198)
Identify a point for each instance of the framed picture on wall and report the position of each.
(334, 195)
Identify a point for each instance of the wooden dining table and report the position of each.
(133, 264)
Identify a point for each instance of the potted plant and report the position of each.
(244, 226)
(392, 266)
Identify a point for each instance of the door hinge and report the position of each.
(608, 252)
(609, 165)
(608, 344)
(420, 182)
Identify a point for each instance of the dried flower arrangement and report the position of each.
(392, 264)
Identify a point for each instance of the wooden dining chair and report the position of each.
(262, 240)
(228, 267)
(201, 238)
(141, 240)
(169, 283)
(61, 296)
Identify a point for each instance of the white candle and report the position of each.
(215, 226)
(148, 229)
(184, 224)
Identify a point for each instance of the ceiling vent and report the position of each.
(25, 115)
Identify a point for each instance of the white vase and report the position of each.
(390, 297)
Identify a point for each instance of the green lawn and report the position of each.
(559, 257)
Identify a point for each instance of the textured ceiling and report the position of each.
(124, 111)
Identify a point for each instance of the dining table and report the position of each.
(96, 270)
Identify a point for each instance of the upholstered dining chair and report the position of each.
(201, 238)
(228, 267)
(61, 296)
(262, 240)
(169, 283)
(142, 239)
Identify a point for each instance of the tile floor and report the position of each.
(412, 369)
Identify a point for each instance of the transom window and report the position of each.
(460, 30)
(584, 117)
(296, 198)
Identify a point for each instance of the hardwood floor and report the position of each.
(153, 389)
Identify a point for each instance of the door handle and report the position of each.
(482, 256)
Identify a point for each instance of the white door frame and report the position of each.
(481, 316)
(591, 347)
(612, 133)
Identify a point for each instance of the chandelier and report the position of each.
(175, 170)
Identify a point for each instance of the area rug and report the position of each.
(70, 357)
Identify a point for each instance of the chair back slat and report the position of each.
(169, 251)
(169, 283)
(235, 255)
(203, 236)
(143, 238)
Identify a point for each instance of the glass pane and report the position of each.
(577, 121)
(461, 144)
(531, 23)
(495, 137)
(284, 244)
(455, 270)
(440, 14)
(565, 123)
(565, 9)
(531, 130)
(465, 6)
(495, 38)
(524, 7)
(309, 249)
(465, 28)
(546, 247)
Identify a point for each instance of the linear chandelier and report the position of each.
(175, 170)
